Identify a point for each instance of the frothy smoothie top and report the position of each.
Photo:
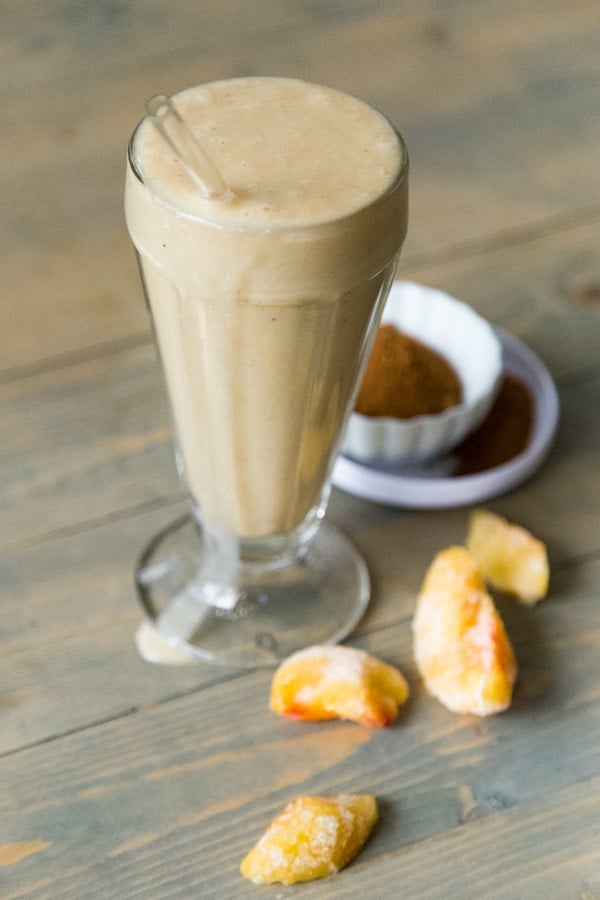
(294, 153)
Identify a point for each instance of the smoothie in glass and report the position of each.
(261, 305)
(265, 300)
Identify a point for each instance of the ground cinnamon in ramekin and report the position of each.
(404, 378)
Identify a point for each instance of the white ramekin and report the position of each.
(469, 344)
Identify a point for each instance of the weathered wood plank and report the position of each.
(70, 612)
(96, 432)
(545, 289)
(124, 780)
(61, 427)
(548, 849)
(92, 440)
(58, 597)
(70, 296)
(168, 800)
(501, 118)
(89, 439)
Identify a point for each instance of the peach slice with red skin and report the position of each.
(461, 647)
(313, 837)
(510, 558)
(335, 682)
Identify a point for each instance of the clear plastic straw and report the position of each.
(188, 150)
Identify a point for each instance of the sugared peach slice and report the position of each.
(461, 648)
(509, 557)
(333, 682)
(312, 837)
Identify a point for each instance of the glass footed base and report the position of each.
(260, 615)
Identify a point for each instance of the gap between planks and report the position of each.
(126, 713)
(225, 675)
(511, 237)
(516, 236)
(64, 360)
(120, 515)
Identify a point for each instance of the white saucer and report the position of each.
(432, 487)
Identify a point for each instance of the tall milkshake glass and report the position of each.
(264, 304)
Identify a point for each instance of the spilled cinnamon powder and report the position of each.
(404, 378)
(503, 434)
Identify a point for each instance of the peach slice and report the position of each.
(334, 682)
(509, 557)
(461, 648)
(313, 837)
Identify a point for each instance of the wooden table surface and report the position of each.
(120, 779)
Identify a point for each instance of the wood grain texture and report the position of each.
(92, 440)
(548, 848)
(62, 427)
(498, 105)
(69, 613)
(170, 799)
(119, 779)
(69, 617)
(88, 439)
(544, 288)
